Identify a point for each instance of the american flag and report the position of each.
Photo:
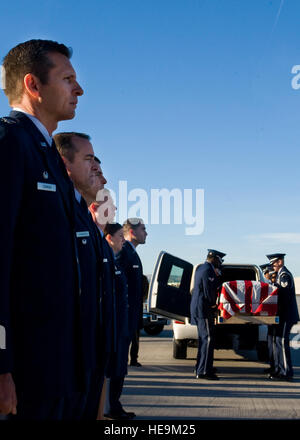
(248, 297)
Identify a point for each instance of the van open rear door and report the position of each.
(169, 291)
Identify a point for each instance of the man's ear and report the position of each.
(31, 85)
(108, 237)
(131, 234)
(93, 207)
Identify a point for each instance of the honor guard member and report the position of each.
(41, 364)
(77, 153)
(266, 270)
(203, 311)
(135, 234)
(288, 316)
(271, 337)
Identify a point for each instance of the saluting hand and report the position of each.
(8, 397)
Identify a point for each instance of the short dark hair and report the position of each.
(112, 228)
(132, 223)
(65, 146)
(29, 57)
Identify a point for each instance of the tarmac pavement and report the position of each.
(165, 388)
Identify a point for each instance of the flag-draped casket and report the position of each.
(247, 297)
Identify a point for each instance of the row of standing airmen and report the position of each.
(70, 285)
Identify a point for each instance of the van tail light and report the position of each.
(179, 322)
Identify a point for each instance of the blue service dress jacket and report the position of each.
(205, 292)
(39, 278)
(91, 313)
(109, 302)
(118, 366)
(133, 269)
(287, 304)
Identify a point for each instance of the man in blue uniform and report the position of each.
(77, 153)
(288, 316)
(203, 311)
(118, 366)
(42, 372)
(96, 192)
(271, 276)
(135, 234)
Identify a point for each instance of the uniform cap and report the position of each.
(275, 257)
(265, 267)
(214, 253)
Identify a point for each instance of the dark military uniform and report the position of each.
(271, 338)
(202, 310)
(133, 269)
(91, 313)
(202, 314)
(118, 364)
(288, 316)
(109, 303)
(40, 273)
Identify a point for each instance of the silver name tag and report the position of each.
(46, 186)
(104, 260)
(2, 338)
(135, 266)
(81, 234)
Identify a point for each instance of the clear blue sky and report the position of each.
(188, 94)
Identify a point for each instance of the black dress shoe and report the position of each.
(207, 376)
(130, 414)
(135, 364)
(281, 378)
(120, 416)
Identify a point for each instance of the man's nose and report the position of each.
(104, 181)
(78, 90)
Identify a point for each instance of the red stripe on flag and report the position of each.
(248, 296)
(270, 309)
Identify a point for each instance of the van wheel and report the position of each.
(262, 351)
(179, 348)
